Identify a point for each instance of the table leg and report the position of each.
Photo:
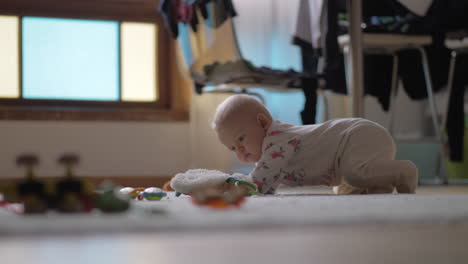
(356, 82)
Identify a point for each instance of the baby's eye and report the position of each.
(241, 138)
(233, 148)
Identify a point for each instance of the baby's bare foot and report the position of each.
(348, 189)
(408, 179)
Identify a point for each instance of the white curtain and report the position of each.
(264, 30)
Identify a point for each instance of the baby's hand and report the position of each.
(243, 177)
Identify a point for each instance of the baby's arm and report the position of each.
(267, 173)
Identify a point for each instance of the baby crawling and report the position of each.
(353, 154)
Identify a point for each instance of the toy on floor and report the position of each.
(66, 195)
(195, 179)
(219, 199)
(110, 200)
(213, 188)
(250, 188)
(10, 207)
(231, 193)
(150, 193)
(133, 193)
(72, 195)
(198, 179)
(153, 194)
(167, 186)
(31, 192)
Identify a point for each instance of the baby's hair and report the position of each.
(240, 104)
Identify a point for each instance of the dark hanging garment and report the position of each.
(168, 13)
(309, 84)
(334, 70)
(377, 78)
(309, 58)
(446, 16)
(201, 6)
(456, 117)
(219, 11)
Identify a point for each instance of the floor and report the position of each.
(424, 189)
(371, 243)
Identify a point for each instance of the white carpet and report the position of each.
(284, 210)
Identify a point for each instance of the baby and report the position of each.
(353, 154)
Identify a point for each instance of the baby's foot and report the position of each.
(408, 179)
(348, 189)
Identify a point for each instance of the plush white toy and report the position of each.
(197, 179)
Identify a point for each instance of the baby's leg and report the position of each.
(380, 176)
(368, 162)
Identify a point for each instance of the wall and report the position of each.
(105, 148)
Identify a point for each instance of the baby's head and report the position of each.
(240, 123)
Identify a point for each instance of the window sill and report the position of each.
(91, 114)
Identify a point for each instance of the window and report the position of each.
(69, 59)
(75, 59)
(9, 75)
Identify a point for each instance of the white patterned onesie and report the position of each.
(336, 151)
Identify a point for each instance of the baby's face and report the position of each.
(245, 139)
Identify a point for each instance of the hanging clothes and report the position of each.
(184, 11)
(456, 116)
(429, 17)
(307, 36)
(168, 13)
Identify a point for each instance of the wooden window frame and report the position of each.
(117, 10)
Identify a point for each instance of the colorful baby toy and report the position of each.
(67, 194)
(213, 188)
(150, 193)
